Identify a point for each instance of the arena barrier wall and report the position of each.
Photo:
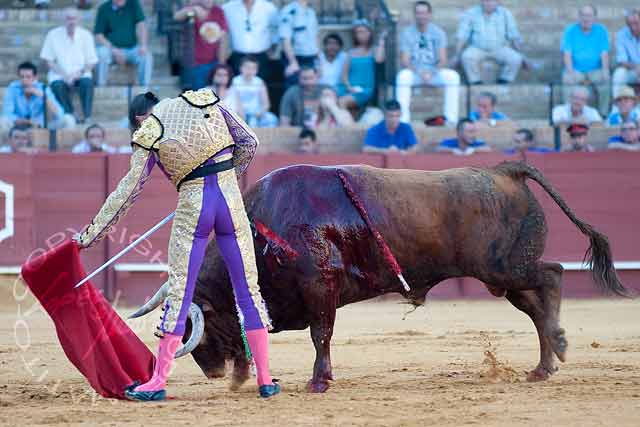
(51, 196)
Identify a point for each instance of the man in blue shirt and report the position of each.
(628, 51)
(486, 110)
(585, 51)
(628, 140)
(390, 134)
(24, 101)
(466, 141)
(524, 142)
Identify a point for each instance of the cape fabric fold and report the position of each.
(93, 336)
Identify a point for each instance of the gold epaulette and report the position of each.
(201, 98)
(149, 132)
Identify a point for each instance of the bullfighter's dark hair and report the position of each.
(461, 124)
(28, 65)
(141, 104)
(333, 36)
(422, 3)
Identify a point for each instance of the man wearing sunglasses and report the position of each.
(253, 31)
(628, 140)
(423, 56)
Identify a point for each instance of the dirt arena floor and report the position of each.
(428, 369)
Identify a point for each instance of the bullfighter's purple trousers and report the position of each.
(213, 203)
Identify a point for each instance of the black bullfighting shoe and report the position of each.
(144, 396)
(269, 390)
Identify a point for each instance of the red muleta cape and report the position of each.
(93, 336)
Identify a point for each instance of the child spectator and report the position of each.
(253, 95)
(307, 142)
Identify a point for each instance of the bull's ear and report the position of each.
(206, 307)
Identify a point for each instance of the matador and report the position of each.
(202, 148)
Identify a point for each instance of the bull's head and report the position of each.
(213, 331)
(194, 314)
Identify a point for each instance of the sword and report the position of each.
(127, 249)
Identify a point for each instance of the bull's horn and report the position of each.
(154, 302)
(197, 330)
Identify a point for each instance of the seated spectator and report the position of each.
(423, 56)
(485, 111)
(466, 141)
(140, 108)
(93, 142)
(390, 134)
(628, 51)
(19, 141)
(578, 142)
(524, 142)
(490, 32)
(331, 60)
(210, 41)
(299, 34)
(39, 4)
(300, 105)
(71, 55)
(253, 96)
(24, 103)
(585, 52)
(629, 138)
(330, 114)
(358, 72)
(222, 74)
(625, 107)
(308, 142)
(576, 110)
(253, 30)
(121, 36)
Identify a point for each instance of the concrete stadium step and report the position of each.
(518, 101)
(111, 103)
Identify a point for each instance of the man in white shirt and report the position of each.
(253, 30)
(71, 55)
(299, 34)
(576, 110)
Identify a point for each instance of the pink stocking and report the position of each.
(166, 351)
(259, 344)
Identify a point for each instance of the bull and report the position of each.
(319, 254)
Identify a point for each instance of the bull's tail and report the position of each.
(598, 256)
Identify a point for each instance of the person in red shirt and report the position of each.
(210, 43)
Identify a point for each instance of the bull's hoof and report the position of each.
(317, 387)
(559, 344)
(238, 380)
(540, 374)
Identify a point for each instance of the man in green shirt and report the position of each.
(121, 36)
